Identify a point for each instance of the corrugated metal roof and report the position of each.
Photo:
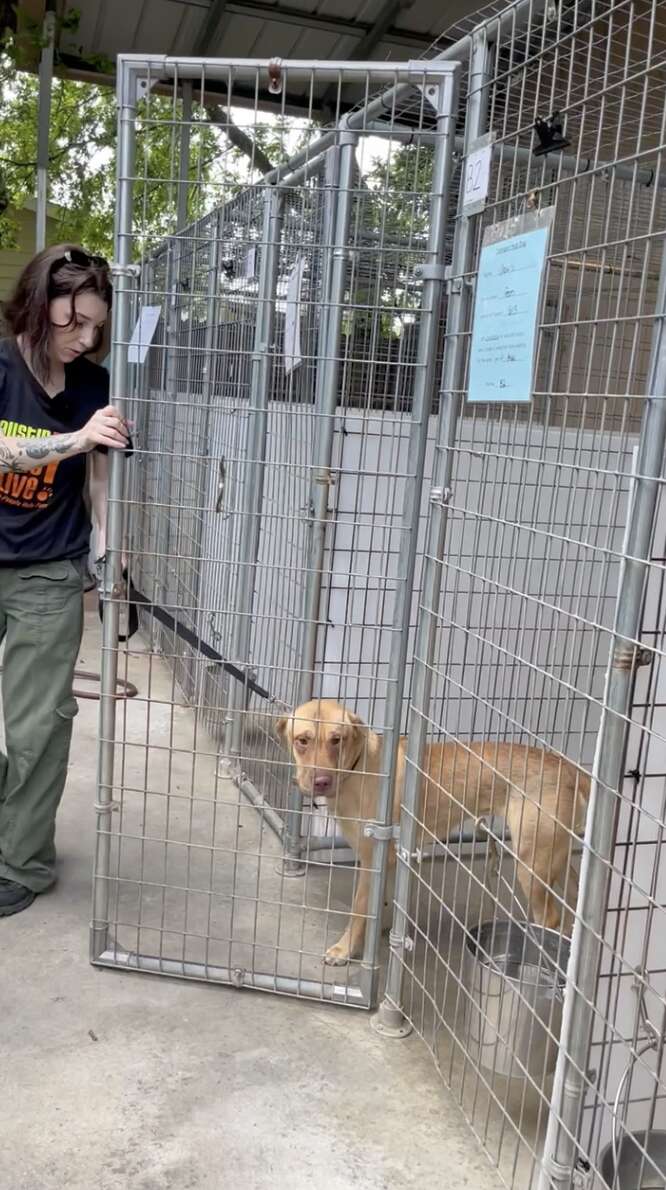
(382, 30)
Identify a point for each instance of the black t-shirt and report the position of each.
(43, 516)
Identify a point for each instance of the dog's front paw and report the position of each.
(338, 955)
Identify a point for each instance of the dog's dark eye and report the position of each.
(334, 740)
(302, 743)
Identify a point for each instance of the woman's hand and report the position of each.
(106, 427)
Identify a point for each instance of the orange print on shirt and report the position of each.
(30, 489)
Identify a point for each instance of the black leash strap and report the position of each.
(136, 600)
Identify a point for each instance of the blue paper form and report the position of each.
(506, 317)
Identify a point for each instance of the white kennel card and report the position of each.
(507, 308)
(292, 318)
(476, 176)
(143, 334)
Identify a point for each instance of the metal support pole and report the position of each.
(207, 376)
(44, 122)
(559, 1161)
(326, 400)
(391, 1019)
(444, 98)
(253, 491)
(184, 155)
(505, 153)
(341, 177)
(236, 977)
(114, 530)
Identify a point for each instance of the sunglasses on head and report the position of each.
(80, 259)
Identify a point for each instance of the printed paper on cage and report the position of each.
(251, 263)
(143, 334)
(507, 311)
(292, 319)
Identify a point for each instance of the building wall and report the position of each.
(12, 260)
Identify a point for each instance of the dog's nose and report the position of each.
(322, 782)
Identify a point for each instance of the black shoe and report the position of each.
(14, 897)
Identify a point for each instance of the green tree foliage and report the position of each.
(82, 157)
(395, 200)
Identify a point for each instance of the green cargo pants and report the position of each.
(41, 621)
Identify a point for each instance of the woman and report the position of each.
(53, 412)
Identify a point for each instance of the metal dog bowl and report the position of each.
(641, 1162)
(514, 979)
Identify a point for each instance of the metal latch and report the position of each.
(380, 832)
(431, 272)
(631, 657)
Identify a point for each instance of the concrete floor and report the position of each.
(119, 1080)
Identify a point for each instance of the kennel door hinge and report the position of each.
(106, 807)
(629, 656)
(380, 832)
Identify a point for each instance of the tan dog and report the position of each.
(541, 796)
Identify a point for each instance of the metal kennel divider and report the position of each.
(540, 622)
(189, 880)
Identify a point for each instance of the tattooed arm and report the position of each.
(98, 478)
(105, 428)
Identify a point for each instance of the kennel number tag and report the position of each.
(477, 179)
(507, 308)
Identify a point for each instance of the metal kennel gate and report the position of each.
(190, 880)
(541, 622)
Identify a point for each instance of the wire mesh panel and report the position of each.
(528, 626)
(290, 320)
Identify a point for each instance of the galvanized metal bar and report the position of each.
(559, 1164)
(260, 387)
(184, 155)
(340, 174)
(166, 67)
(443, 97)
(505, 152)
(391, 1017)
(258, 801)
(114, 530)
(326, 399)
(43, 127)
(237, 977)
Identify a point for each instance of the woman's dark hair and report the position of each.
(61, 271)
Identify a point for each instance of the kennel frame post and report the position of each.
(443, 97)
(168, 404)
(260, 386)
(212, 300)
(559, 1162)
(184, 155)
(208, 370)
(326, 400)
(391, 1019)
(122, 273)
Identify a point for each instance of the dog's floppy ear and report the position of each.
(368, 739)
(361, 729)
(357, 721)
(281, 727)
